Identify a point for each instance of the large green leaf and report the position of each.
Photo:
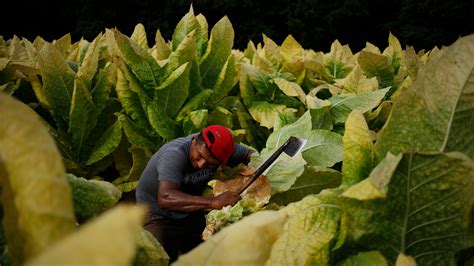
(266, 113)
(278, 137)
(323, 148)
(226, 80)
(343, 104)
(187, 24)
(291, 89)
(134, 135)
(92, 197)
(161, 50)
(173, 92)
(89, 65)
(376, 185)
(283, 172)
(163, 124)
(142, 64)
(109, 240)
(321, 118)
(58, 80)
(100, 91)
(139, 36)
(83, 115)
(36, 198)
(312, 181)
(436, 112)
(128, 181)
(218, 50)
(377, 65)
(428, 208)
(356, 82)
(198, 102)
(149, 251)
(358, 149)
(107, 143)
(247, 242)
(186, 53)
(130, 102)
(308, 235)
(338, 60)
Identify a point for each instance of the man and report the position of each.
(174, 180)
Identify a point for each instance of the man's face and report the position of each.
(201, 157)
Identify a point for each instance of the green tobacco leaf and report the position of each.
(343, 104)
(58, 80)
(195, 121)
(428, 208)
(83, 116)
(92, 197)
(278, 137)
(312, 181)
(202, 39)
(139, 36)
(377, 65)
(358, 149)
(324, 148)
(142, 64)
(130, 102)
(321, 118)
(261, 81)
(435, 113)
(128, 181)
(237, 244)
(107, 143)
(100, 91)
(149, 251)
(266, 113)
(173, 92)
(356, 82)
(89, 65)
(376, 185)
(290, 49)
(283, 172)
(226, 80)
(163, 50)
(338, 60)
(368, 258)
(291, 89)
(221, 116)
(247, 91)
(288, 117)
(218, 50)
(163, 124)
(134, 134)
(109, 240)
(308, 234)
(36, 198)
(187, 24)
(199, 101)
(186, 53)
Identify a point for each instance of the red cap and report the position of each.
(220, 142)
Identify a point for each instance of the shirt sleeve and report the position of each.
(239, 155)
(171, 167)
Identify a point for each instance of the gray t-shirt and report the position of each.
(171, 163)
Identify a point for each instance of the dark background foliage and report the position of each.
(315, 24)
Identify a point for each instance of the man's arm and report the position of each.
(171, 198)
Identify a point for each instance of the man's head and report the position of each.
(212, 146)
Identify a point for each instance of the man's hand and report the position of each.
(224, 199)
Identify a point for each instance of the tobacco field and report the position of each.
(386, 176)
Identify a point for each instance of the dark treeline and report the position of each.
(315, 24)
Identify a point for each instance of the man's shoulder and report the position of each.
(178, 146)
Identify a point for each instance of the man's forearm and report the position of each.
(175, 200)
